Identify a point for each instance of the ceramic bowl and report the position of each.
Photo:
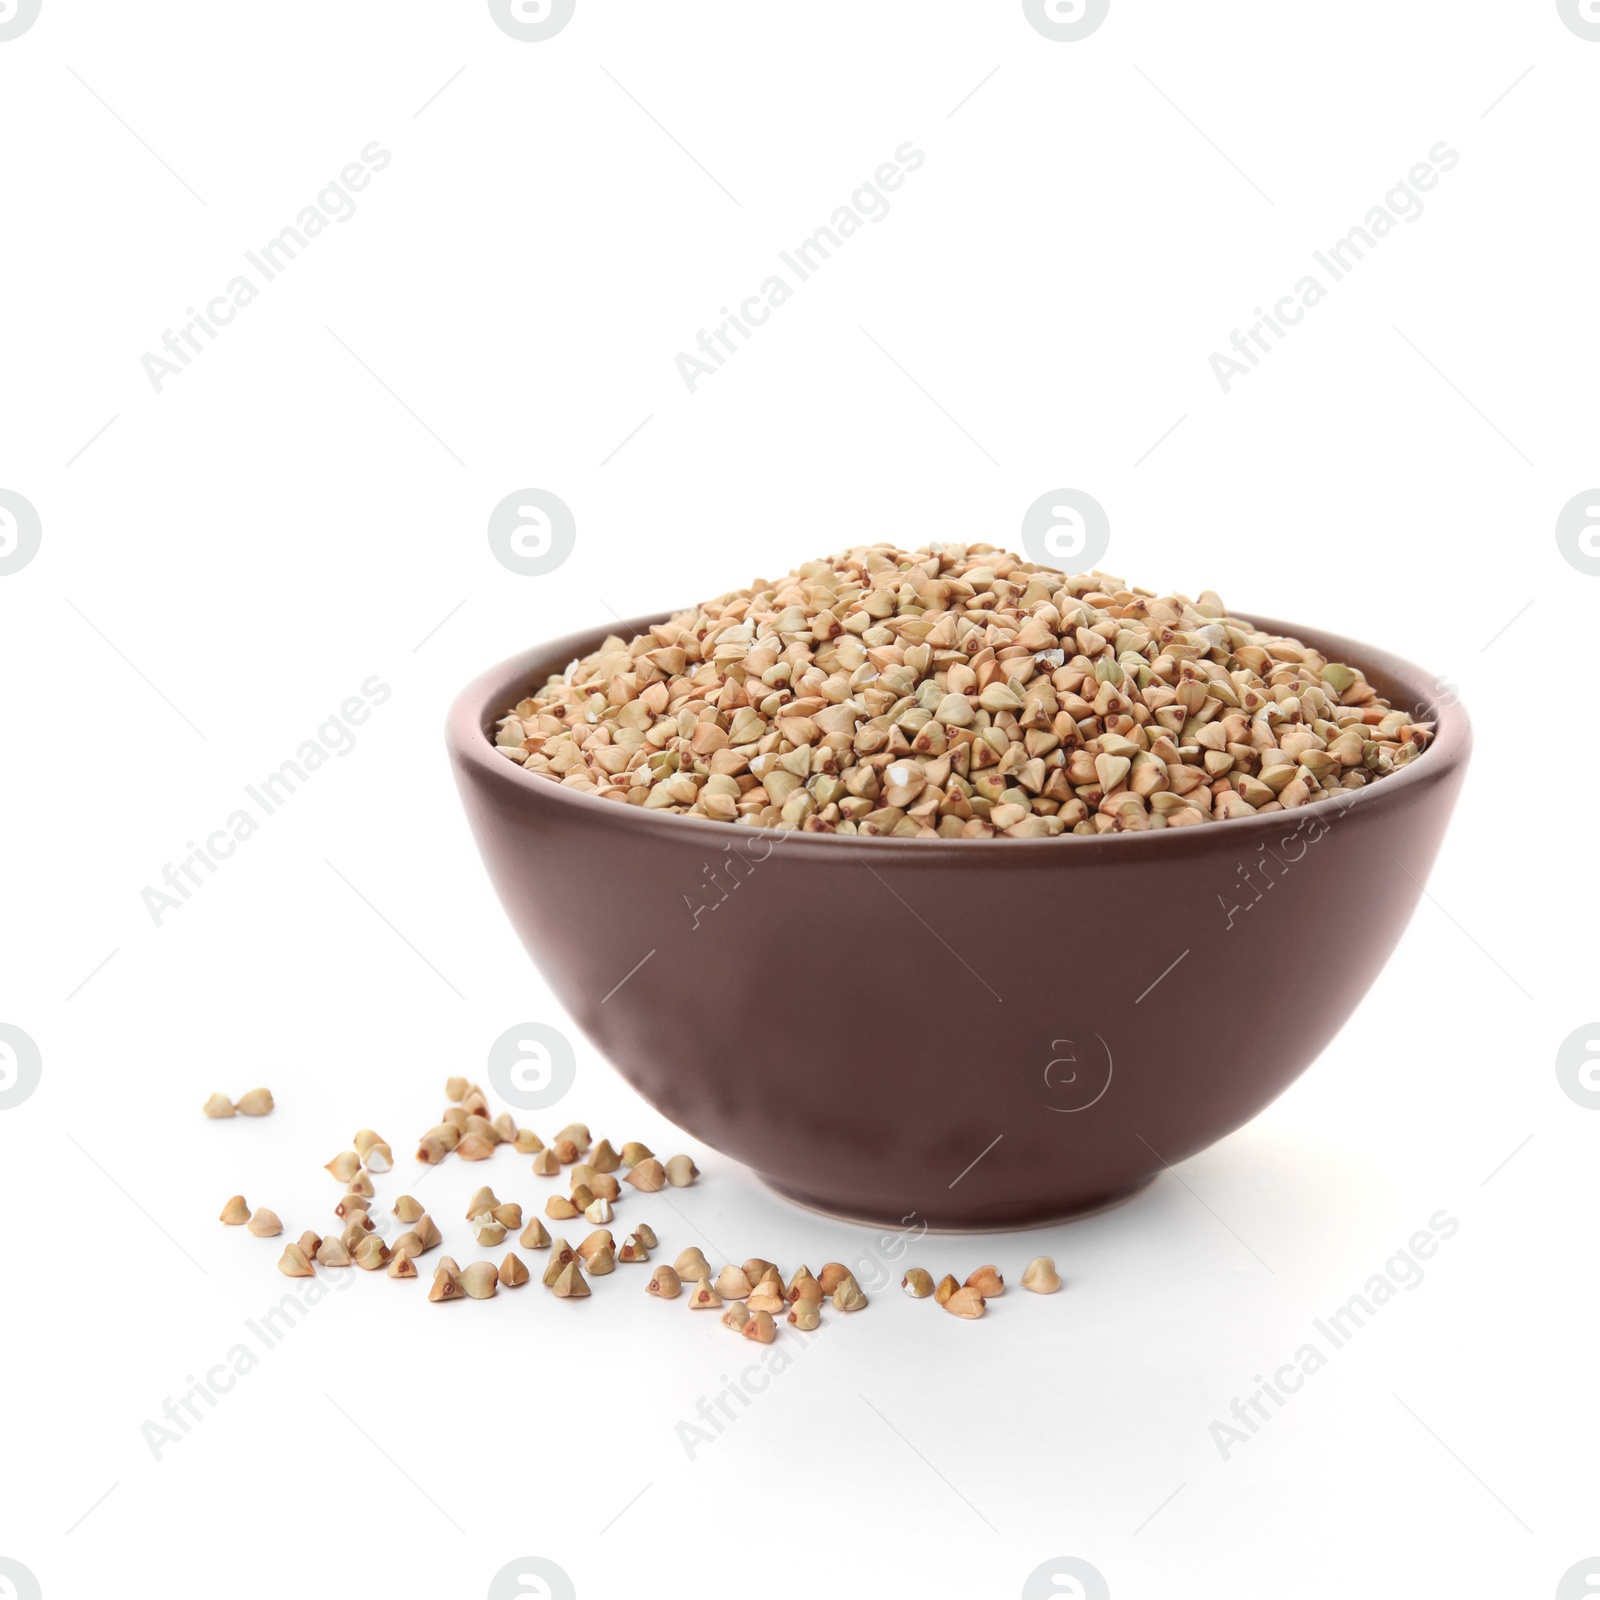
(961, 1034)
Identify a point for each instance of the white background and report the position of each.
(306, 506)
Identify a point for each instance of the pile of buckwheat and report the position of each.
(958, 692)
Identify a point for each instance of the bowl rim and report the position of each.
(493, 692)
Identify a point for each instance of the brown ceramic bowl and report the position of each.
(963, 1033)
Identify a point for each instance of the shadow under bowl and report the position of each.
(966, 1034)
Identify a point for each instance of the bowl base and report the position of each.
(1089, 1208)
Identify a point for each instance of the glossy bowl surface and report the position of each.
(960, 1033)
